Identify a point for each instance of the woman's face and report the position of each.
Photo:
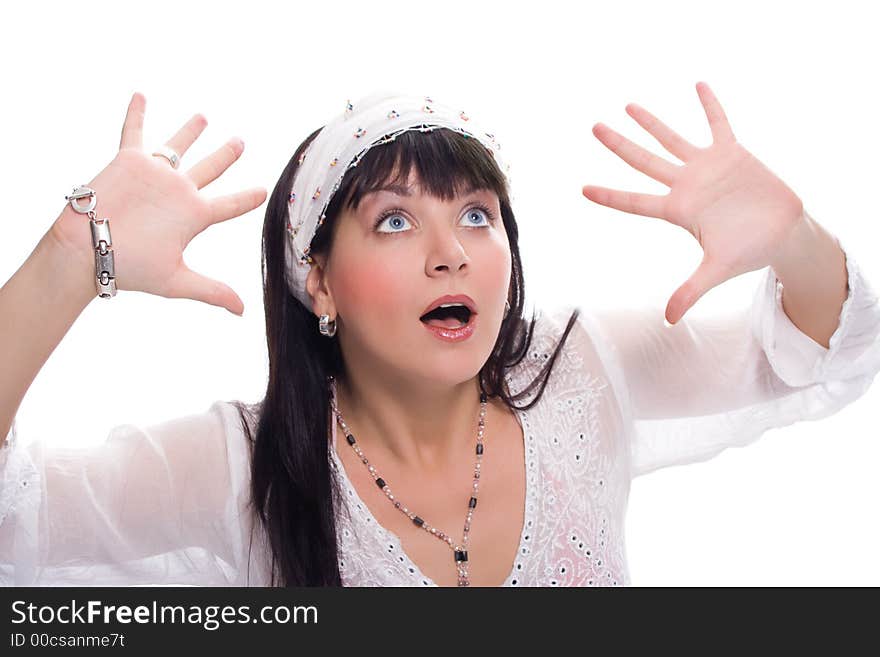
(392, 258)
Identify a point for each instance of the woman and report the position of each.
(470, 448)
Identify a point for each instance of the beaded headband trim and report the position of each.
(376, 119)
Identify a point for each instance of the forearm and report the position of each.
(37, 307)
(812, 269)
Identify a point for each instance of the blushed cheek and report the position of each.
(497, 268)
(371, 289)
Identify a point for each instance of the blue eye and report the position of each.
(480, 208)
(396, 219)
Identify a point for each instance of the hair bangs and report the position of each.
(442, 163)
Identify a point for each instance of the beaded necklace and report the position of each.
(460, 551)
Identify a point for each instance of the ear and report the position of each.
(316, 286)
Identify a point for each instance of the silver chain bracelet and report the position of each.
(105, 275)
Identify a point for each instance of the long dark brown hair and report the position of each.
(292, 488)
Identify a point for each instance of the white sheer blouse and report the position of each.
(170, 503)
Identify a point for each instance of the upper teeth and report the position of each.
(450, 305)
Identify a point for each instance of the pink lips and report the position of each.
(463, 299)
(453, 334)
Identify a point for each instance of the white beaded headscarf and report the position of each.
(373, 120)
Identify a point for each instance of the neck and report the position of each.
(423, 429)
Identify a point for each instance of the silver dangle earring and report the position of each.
(326, 327)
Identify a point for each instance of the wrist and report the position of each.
(800, 246)
(71, 234)
(67, 246)
(67, 234)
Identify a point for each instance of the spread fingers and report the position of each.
(211, 167)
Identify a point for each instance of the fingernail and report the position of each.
(667, 324)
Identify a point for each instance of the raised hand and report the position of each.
(735, 207)
(155, 211)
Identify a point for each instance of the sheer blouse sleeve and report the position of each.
(159, 504)
(703, 385)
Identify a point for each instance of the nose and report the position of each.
(447, 254)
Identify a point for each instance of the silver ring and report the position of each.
(169, 154)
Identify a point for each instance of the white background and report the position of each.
(798, 83)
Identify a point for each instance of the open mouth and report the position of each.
(450, 317)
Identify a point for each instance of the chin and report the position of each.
(424, 357)
(450, 367)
